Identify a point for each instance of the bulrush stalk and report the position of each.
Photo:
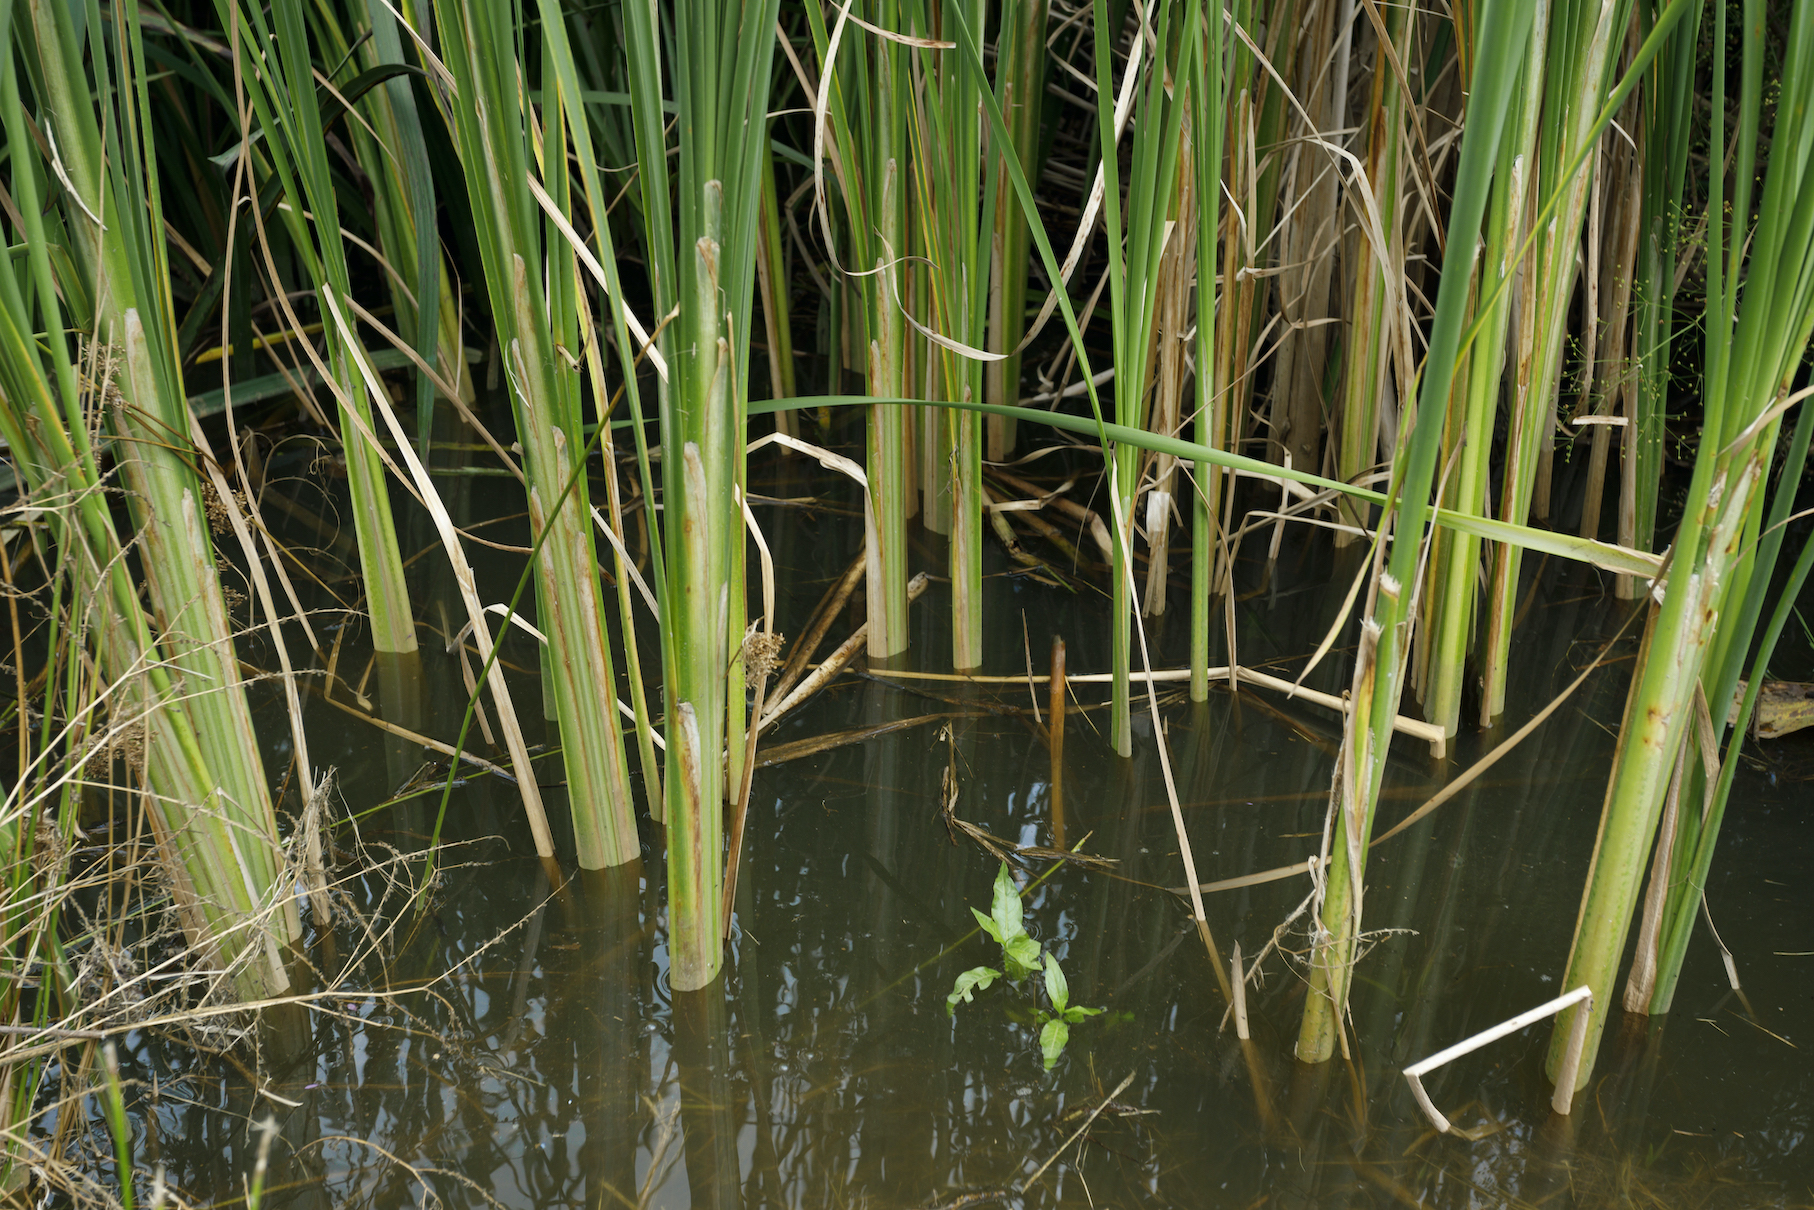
(1137, 240)
(175, 672)
(1177, 272)
(1755, 339)
(1020, 90)
(1209, 116)
(954, 200)
(1454, 571)
(281, 100)
(1667, 102)
(392, 149)
(1658, 965)
(534, 310)
(702, 271)
(772, 286)
(866, 167)
(634, 351)
(1309, 239)
(1376, 313)
(1613, 226)
(1503, 25)
(1584, 41)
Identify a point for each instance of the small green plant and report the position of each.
(1055, 1028)
(1021, 956)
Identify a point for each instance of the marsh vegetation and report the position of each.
(758, 388)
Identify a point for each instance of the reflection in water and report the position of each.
(520, 1045)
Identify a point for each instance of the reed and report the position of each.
(391, 145)
(954, 202)
(1667, 101)
(1261, 237)
(536, 313)
(702, 268)
(1137, 230)
(283, 140)
(1451, 603)
(1581, 52)
(1020, 79)
(1504, 26)
(1378, 315)
(1208, 131)
(94, 262)
(869, 175)
(1759, 309)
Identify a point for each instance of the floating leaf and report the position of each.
(1022, 955)
(1052, 1040)
(1006, 909)
(1057, 990)
(1078, 1012)
(977, 978)
(988, 925)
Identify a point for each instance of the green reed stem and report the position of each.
(1503, 25)
(1755, 337)
(1209, 117)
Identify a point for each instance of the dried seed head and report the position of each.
(761, 656)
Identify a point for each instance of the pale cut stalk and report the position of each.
(846, 651)
(1415, 1072)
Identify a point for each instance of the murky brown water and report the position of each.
(541, 1058)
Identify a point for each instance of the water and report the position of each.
(519, 1044)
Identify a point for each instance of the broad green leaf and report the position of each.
(1052, 1040)
(988, 925)
(1022, 954)
(977, 978)
(1078, 1012)
(1006, 908)
(1057, 990)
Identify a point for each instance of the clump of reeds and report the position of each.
(1346, 250)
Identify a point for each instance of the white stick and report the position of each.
(1240, 982)
(1581, 995)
